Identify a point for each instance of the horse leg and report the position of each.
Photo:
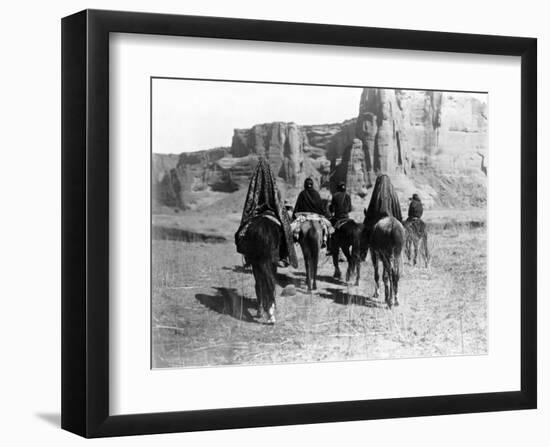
(356, 255)
(258, 288)
(387, 286)
(315, 263)
(335, 249)
(307, 262)
(415, 244)
(425, 248)
(376, 274)
(272, 304)
(307, 256)
(395, 272)
(351, 265)
(269, 290)
(357, 269)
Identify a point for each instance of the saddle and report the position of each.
(304, 217)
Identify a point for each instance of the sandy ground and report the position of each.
(204, 303)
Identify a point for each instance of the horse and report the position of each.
(348, 238)
(261, 245)
(386, 243)
(415, 235)
(310, 239)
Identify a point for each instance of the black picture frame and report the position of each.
(85, 222)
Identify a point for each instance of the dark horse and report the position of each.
(348, 238)
(261, 246)
(310, 240)
(416, 235)
(386, 244)
(384, 234)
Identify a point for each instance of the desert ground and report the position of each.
(204, 306)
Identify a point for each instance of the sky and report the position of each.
(193, 115)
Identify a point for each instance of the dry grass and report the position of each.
(203, 302)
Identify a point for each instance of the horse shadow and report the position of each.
(323, 278)
(283, 278)
(228, 301)
(341, 296)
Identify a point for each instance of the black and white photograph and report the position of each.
(272, 224)
(297, 223)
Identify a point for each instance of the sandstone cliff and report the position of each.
(429, 142)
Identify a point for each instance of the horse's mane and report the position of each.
(384, 201)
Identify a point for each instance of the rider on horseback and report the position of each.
(340, 207)
(415, 207)
(384, 202)
(308, 205)
(264, 199)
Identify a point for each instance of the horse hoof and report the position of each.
(271, 314)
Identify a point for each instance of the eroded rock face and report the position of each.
(168, 190)
(357, 176)
(381, 129)
(428, 142)
(166, 186)
(281, 143)
(432, 142)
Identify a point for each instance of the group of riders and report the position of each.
(269, 229)
(310, 205)
(264, 199)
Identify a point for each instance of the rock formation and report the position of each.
(357, 175)
(428, 142)
(281, 143)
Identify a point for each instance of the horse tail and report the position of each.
(267, 275)
(312, 239)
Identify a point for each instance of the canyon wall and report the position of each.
(432, 143)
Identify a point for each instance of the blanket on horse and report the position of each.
(303, 217)
(263, 199)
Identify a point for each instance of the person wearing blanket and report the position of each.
(309, 206)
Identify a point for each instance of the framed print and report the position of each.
(272, 223)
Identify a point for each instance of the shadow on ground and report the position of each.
(228, 302)
(341, 296)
